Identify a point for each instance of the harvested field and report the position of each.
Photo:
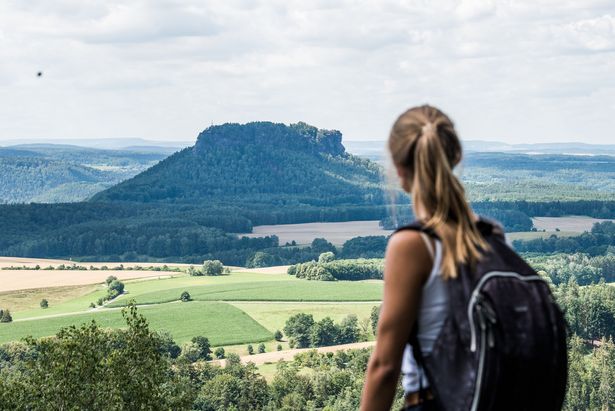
(11, 280)
(30, 299)
(570, 223)
(336, 233)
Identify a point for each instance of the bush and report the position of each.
(277, 335)
(44, 303)
(213, 267)
(100, 301)
(115, 288)
(219, 353)
(279, 347)
(110, 279)
(261, 348)
(298, 327)
(326, 257)
(250, 349)
(92, 305)
(204, 347)
(185, 297)
(5, 316)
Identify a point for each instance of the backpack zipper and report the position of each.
(476, 299)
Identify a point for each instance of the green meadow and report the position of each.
(239, 308)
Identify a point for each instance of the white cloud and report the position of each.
(531, 70)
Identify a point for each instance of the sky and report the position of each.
(513, 71)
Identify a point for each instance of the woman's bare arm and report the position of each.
(407, 265)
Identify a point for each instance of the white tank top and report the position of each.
(430, 319)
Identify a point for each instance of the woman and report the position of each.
(424, 148)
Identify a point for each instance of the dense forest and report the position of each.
(195, 204)
(59, 173)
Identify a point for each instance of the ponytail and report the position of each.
(424, 143)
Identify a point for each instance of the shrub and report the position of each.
(326, 257)
(44, 303)
(213, 267)
(110, 279)
(277, 335)
(279, 347)
(219, 353)
(115, 288)
(185, 297)
(250, 349)
(5, 316)
(261, 348)
(204, 347)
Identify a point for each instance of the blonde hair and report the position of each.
(423, 142)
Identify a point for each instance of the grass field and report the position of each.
(29, 299)
(280, 290)
(262, 301)
(220, 322)
(273, 315)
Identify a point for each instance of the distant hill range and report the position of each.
(376, 149)
(261, 162)
(186, 206)
(52, 173)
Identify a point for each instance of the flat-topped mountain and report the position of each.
(259, 162)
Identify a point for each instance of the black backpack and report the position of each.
(503, 343)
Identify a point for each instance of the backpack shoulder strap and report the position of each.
(417, 225)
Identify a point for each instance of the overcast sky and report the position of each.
(513, 71)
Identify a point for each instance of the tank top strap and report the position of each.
(437, 261)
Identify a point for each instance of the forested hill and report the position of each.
(259, 162)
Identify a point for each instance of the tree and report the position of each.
(374, 318)
(324, 333)
(277, 335)
(279, 347)
(185, 297)
(326, 257)
(261, 348)
(90, 368)
(204, 347)
(213, 267)
(110, 279)
(115, 288)
(219, 353)
(44, 303)
(298, 327)
(167, 345)
(321, 245)
(349, 330)
(250, 349)
(5, 316)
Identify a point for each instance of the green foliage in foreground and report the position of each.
(90, 368)
(224, 323)
(350, 270)
(589, 310)
(591, 376)
(579, 267)
(96, 369)
(289, 290)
